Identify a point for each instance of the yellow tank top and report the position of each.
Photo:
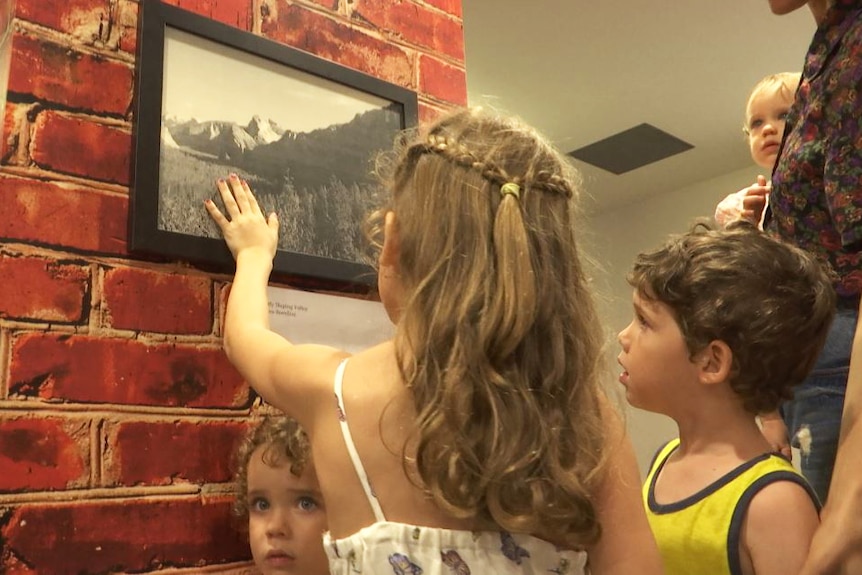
(699, 535)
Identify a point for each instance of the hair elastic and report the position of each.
(510, 188)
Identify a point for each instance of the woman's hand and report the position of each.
(775, 432)
(245, 227)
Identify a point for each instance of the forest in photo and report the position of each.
(320, 183)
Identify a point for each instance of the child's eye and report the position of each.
(307, 503)
(783, 116)
(259, 504)
(754, 124)
(641, 320)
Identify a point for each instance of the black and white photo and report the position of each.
(304, 132)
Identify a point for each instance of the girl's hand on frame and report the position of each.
(244, 227)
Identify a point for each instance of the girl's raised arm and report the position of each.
(284, 374)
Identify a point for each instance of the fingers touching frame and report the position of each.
(237, 198)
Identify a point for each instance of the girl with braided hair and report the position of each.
(478, 439)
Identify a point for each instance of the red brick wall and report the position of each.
(118, 410)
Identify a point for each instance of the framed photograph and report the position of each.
(303, 131)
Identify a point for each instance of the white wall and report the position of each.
(613, 239)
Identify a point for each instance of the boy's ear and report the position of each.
(391, 245)
(714, 362)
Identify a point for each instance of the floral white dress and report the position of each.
(388, 547)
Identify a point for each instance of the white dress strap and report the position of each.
(351, 447)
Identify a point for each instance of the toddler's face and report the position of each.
(767, 112)
(286, 519)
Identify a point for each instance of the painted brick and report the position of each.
(77, 146)
(10, 130)
(161, 453)
(123, 536)
(184, 301)
(442, 81)
(16, 139)
(108, 24)
(63, 215)
(87, 20)
(43, 289)
(57, 74)
(414, 24)
(429, 113)
(233, 12)
(104, 370)
(452, 7)
(13, 566)
(128, 23)
(43, 453)
(301, 28)
(331, 5)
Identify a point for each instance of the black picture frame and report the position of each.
(212, 99)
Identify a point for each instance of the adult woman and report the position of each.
(816, 203)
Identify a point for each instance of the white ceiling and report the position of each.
(581, 71)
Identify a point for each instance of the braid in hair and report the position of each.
(458, 154)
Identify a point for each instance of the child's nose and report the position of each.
(771, 127)
(278, 525)
(622, 337)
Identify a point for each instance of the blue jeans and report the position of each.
(813, 416)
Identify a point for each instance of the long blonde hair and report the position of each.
(498, 339)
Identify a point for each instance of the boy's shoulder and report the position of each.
(780, 518)
(743, 507)
(782, 491)
(745, 510)
(777, 495)
(736, 481)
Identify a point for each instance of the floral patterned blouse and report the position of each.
(816, 198)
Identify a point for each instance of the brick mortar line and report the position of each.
(125, 125)
(96, 462)
(85, 258)
(96, 319)
(87, 496)
(90, 495)
(430, 100)
(49, 176)
(152, 339)
(15, 328)
(143, 412)
(440, 11)
(4, 363)
(344, 14)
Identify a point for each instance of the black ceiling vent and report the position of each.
(631, 149)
